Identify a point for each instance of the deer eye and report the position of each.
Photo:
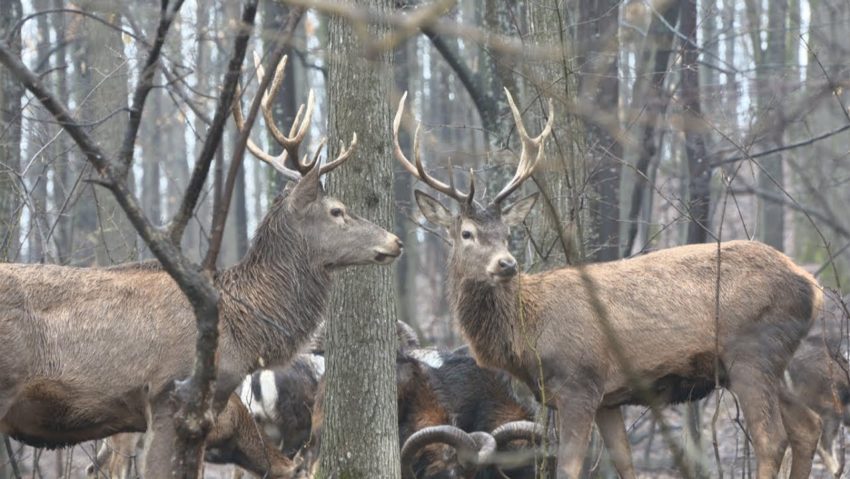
(336, 212)
(466, 234)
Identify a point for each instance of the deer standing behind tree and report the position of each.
(90, 352)
(592, 338)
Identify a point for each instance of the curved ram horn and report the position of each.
(516, 430)
(473, 450)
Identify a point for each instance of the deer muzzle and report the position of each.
(502, 268)
(389, 251)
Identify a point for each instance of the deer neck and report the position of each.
(489, 316)
(274, 299)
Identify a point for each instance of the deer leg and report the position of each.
(612, 428)
(757, 392)
(575, 424)
(825, 449)
(803, 427)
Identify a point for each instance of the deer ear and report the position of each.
(433, 210)
(306, 190)
(514, 214)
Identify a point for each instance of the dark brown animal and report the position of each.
(476, 399)
(582, 336)
(819, 374)
(90, 352)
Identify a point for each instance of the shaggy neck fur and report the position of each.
(489, 317)
(273, 300)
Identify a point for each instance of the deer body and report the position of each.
(77, 349)
(660, 305)
(577, 335)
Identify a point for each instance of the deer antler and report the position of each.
(532, 149)
(297, 132)
(418, 170)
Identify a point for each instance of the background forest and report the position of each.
(675, 122)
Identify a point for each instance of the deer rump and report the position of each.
(58, 367)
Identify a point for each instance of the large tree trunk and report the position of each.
(556, 177)
(597, 47)
(361, 434)
(11, 92)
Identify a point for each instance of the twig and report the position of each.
(13, 461)
(790, 146)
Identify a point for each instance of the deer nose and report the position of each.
(399, 243)
(508, 266)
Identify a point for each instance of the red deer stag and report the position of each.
(90, 352)
(553, 330)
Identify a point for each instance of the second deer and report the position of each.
(583, 337)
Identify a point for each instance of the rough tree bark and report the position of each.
(597, 47)
(11, 92)
(360, 439)
(555, 177)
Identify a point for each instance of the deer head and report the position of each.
(339, 237)
(479, 234)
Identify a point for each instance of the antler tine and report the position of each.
(302, 121)
(277, 162)
(418, 170)
(344, 155)
(532, 148)
(272, 91)
(299, 130)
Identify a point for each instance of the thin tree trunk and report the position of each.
(770, 80)
(103, 234)
(699, 193)
(699, 172)
(360, 438)
(62, 169)
(598, 50)
(650, 102)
